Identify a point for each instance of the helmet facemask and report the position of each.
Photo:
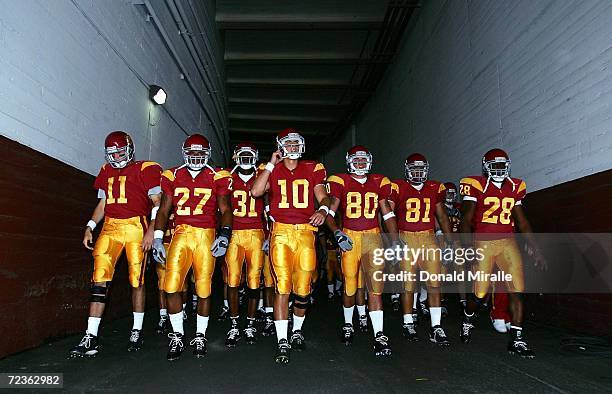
(246, 158)
(119, 157)
(292, 146)
(196, 157)
(359, 163)
(498, 169)
(417, 172)
(451, 196)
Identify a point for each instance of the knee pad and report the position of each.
(99, 293)
(301, 302)
(253, 293)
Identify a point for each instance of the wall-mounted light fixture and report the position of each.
(157, 94)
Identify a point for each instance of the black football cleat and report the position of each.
(87, 347)
(282, 352)
(347, 334)
(136, 341)
(232, 338)
(250, 335)
(466, 331)
(363, 323)
(163, 326)
(175, 346)
(381, 345)
(260, 315)
(297, 341)
(415, 317)
(520, 348)
(269, 329)
(199, 345)
(438, 336)
(409, 332)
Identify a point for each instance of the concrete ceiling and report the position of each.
(304, 64)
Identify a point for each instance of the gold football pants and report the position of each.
(117, 235)
(245, 245)
(294, 258)
(161, 273)
(358, 268)
(190, 248)
(267, 272)
(428, 258)
(503, 253)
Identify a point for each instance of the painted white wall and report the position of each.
(533, 77)
(73, 70)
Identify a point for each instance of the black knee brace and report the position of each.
(99, 293)
(253, 293)
(300, 302)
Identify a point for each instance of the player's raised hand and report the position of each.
(276, 157)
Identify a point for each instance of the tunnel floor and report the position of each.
(326, 365)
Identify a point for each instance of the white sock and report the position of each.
(361, 310)
(260, 303)
(176, 319)
(423, 295)
(435, 314)
(225, 303)
(281, 329)
(297, 322)
(330, 288)
(377, 321)
(201, 324)
(163, 312)
(415, 298)
(138, 319)
(92, 325)
(269, 309)
(408, 318)
(348, 314)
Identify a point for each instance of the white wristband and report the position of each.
(92, 225)
(269, 167)
(158, 234)
(154, 212)
(388, 216)
(325, 208)
(332, 213)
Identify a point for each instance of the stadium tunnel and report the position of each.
(450, 79)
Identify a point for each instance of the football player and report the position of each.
(492, 209)
(246, 244)
(126, 190)
(292, 185)
(361, 196)
(193, 192)
(269, 328)
(418, 202)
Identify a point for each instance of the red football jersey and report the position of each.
(494, 205)
(359, 202)
(248, 211)
(195, 199)
(291, 193)
(416, 209)
(127, 189)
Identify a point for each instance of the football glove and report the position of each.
(344, 241)
(219, 247)
(159, 251)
